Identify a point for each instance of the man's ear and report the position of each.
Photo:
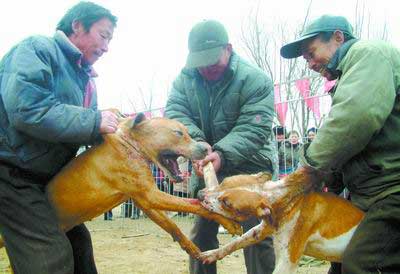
(339, 36)
(77, 27)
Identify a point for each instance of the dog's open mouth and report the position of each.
(168, 159)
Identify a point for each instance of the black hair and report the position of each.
(313, 129)
(279, 130)
(87, 13)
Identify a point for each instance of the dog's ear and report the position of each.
(265, 211)
(264, 176)
(140, 117)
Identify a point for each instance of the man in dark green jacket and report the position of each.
(48, 108)
(359, 138)
(227, 104)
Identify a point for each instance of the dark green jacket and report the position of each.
(360, 137)
(42, 121)
(234, 115)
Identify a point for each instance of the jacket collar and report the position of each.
(340, 53)
(72, 52)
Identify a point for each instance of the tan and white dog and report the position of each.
(300, 219)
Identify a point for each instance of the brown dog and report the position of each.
(110, 173)
(301, 220)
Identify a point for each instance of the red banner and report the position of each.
(329, 85)
(303, 85)
(280, 107)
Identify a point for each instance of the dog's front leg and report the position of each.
(253, 236)
(169, 226)
(164, 201)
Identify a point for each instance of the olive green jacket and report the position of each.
(360, 137)
(233, 115)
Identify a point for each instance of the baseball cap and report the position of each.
(206, 41)
(325, 23)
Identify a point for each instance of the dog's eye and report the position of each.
(178, 133)
(226, 203)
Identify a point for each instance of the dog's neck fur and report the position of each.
(284, 194)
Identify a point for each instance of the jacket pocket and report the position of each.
(357, 172)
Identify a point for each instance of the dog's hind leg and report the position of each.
(164, 201)
(169, 226)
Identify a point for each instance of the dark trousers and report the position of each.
(375, 245)
(259, 258)
(29, 227)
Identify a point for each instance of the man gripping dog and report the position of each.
(118, 168)
(48, 108)
(359, 138)
(228, 104)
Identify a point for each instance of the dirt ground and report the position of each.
(141, 247)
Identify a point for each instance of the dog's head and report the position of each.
(162, 141)
(239, 198)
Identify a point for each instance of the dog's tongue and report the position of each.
(192, 201)
(173, 166)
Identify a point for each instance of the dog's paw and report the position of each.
(192, 250)
(210, 256)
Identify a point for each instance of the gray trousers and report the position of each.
(28, 224)
(259, 258)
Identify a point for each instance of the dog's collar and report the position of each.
(126, 142)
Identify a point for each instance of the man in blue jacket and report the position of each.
(48, 108)
(227, 104)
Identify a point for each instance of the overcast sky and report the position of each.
(150, 42)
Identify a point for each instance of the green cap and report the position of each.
(206, 41)
(325, 23)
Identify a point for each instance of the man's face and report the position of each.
(280, 137)
(215, 72)
(93, 43)
(311, 135)
(318, 53)
(293, 138)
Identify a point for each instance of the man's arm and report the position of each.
(178, 108)
(362, 102)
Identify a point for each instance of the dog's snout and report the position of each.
(201, 195)
(201, 151)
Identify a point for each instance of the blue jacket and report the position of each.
(42, 118)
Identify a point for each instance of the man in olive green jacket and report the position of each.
(227, 104)
(359, 138)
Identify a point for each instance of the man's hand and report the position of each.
(197, 166)
(109, 122)
(213, 157)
